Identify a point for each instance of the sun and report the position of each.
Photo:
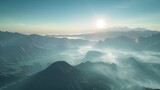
(100, 23)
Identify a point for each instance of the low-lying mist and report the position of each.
(128, 69)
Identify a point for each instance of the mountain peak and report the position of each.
(59, 63)
(59, 66)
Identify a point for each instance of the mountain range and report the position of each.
(151, 43)
(113, 32)
(33, 62)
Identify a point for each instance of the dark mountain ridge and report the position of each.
(60, 76)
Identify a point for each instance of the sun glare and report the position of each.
(100, 24)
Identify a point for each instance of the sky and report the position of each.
(77, 16)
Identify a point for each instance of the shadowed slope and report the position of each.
(60, 76)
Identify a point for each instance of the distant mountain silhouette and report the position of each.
(114, 32)
(120, 42)
(151, 43)
(151, 89)
(16, 47)
(92, 55)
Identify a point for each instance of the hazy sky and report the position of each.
(76, 16)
